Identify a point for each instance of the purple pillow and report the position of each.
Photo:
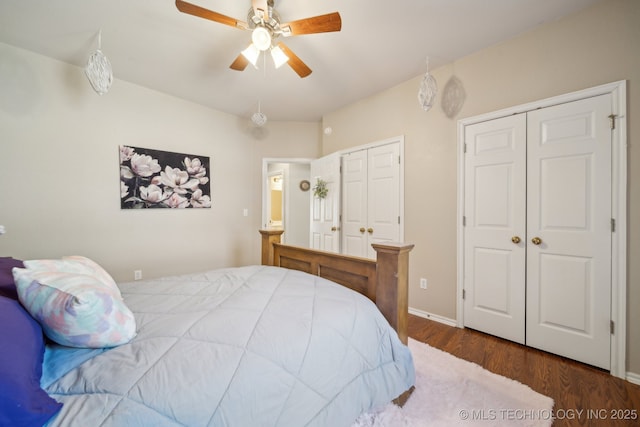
(7, 286)
(22, 401)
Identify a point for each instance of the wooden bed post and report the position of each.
(392, 293)
(269, 237)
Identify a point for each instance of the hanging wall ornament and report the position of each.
(98, 70)
(259, 118)
(428, 90)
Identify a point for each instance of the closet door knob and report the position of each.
(515, 239)
(370, 230)
(362, 229)
(334, 228)
(536, 240)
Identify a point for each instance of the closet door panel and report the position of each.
(495, 210)
(383, 195)
(569, 211)
(354, 203)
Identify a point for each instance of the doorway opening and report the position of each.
(285, 204)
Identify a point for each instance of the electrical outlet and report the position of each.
(423, 283)
(137, 275)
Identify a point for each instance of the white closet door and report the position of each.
(370, 199)
(354, 203)
(325, 213)
(569, 210)
(383, 201)
(494, 234)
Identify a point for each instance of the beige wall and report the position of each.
(596, 46)
(59, 177)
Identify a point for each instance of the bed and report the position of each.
(277, 344)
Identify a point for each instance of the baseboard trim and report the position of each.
(634, 378)
(434, 317)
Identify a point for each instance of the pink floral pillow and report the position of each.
(76, 310)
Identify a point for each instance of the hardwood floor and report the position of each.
(583, 395)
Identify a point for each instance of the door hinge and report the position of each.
(612, 121)
(464, 294)
(613, 327)
(398, 219)
(613, 225)
(464, 147)
(464, 221)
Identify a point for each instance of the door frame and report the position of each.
(266, 161)
(618, 91)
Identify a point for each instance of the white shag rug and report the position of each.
(451, 391)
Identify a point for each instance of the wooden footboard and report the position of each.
(384, 281)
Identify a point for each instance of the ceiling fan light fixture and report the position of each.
(261, 38)
(251, 53)
(278, 56)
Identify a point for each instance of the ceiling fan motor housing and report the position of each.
(273, 23)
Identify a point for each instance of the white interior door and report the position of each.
(494, 233)
(354, 203)
(569, 211)
(325, 213)
(371, 198)
(383, 195)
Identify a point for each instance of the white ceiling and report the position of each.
(382, 43)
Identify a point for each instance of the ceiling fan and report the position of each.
(264, 23)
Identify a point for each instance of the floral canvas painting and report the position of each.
(162, 179)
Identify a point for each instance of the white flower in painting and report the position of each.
(178, 180)
(143, 165)
(196, 169)
(126, 172)
(200, 201)
(152, 194)
(176, 201)
(125, 153)
(124, 190)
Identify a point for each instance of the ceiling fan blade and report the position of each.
(317, 24)
(201, 12)
(294, 62)
(240, 63)
(261, 8)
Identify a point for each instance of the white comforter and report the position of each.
(246, 347)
